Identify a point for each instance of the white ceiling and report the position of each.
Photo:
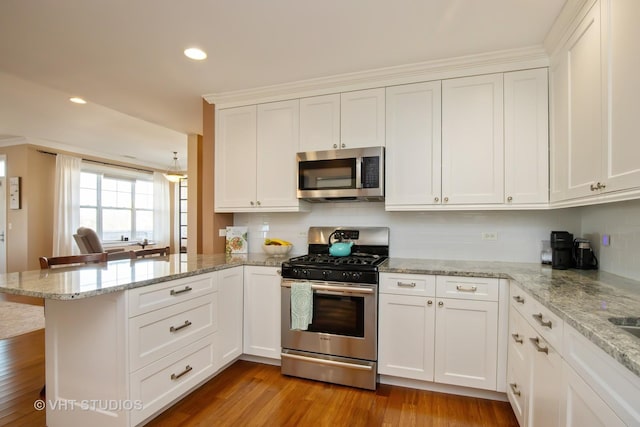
(125, 57)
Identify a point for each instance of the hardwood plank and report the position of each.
(251, 394)
(21, 378)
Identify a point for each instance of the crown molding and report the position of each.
(492, 62)
(566, 22)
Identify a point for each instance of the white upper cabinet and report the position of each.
(594, 89)
(320, 123)
(413, 146)
(622, 33)
(255, 160)
(526, 137)
(362, 118)
(277, 146)
(235, 161)
(577, 111)
(472, 140)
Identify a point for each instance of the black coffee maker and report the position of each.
(583, 256)
(561, 250)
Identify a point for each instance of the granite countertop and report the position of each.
(583, 299)
(92, 280)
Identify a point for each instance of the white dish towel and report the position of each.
(301, 305)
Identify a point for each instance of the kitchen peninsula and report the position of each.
(105, 325)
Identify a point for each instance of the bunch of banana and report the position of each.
(276, 242)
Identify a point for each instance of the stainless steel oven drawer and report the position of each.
(332, 369)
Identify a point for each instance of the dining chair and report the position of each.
(59, 261)
(143, 253)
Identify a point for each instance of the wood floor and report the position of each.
(253, 394)
(21, 379)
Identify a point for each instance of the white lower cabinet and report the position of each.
(581, 406)
(230, 310)
(119, 358)
(466, 343)
(556, 377)
(406, 335)
(262, 311)
(451, 340)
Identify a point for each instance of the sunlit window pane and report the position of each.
(88, 180)
(144, 201)
(109, 184)
(88, 217)
(116, 223)
(144, 224)
(88, 197)
(109, 199)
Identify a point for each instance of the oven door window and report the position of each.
(338, 314)
(327, 174)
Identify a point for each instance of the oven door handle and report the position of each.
(327, 362)
(342, 289)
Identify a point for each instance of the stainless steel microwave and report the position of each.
(341, 175)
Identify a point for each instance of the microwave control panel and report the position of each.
(370, 172)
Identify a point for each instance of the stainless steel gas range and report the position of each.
(340, 344)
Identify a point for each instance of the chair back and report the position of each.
(143, 253)
(49, 262)
(90, 240)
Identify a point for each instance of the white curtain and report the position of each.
(161, 211)
(66, 205)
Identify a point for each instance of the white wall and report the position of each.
(622, 222)
(436, 235)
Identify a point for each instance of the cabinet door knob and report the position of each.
(335, 145)
(446, 199)
(429, 302)
(509, 199)
(342, 145)
(593, 187)
(440, 304)
(258, 202)
(251, 203)
(601, 186)
(437, 199)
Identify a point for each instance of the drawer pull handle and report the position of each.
(518, 299)
(181, 291)
(538, 317)
(514, 389)
(407, 285)
(465, 289)
(517, 338)
(187, 369)
(536, 344)
(177, 328)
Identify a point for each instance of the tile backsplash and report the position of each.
(621, 221)
(436, 235)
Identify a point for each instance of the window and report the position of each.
(116, 206)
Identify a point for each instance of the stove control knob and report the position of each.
(305, 272)
(355, 276)
(295, 272)
(345, 275)
(325, 274)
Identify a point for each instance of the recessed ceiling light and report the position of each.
(195, 53)
(77, 100)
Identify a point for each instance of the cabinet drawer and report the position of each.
(408, 284)
(472, 288)
(167, 379)
(148, 298)
(156, 334)
(520, 300)
(547, 324)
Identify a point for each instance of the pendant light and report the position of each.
(174, 174)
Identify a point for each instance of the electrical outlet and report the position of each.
(489, 235)
(222, 232)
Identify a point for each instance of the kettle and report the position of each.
(583, 256)
(339, 248)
